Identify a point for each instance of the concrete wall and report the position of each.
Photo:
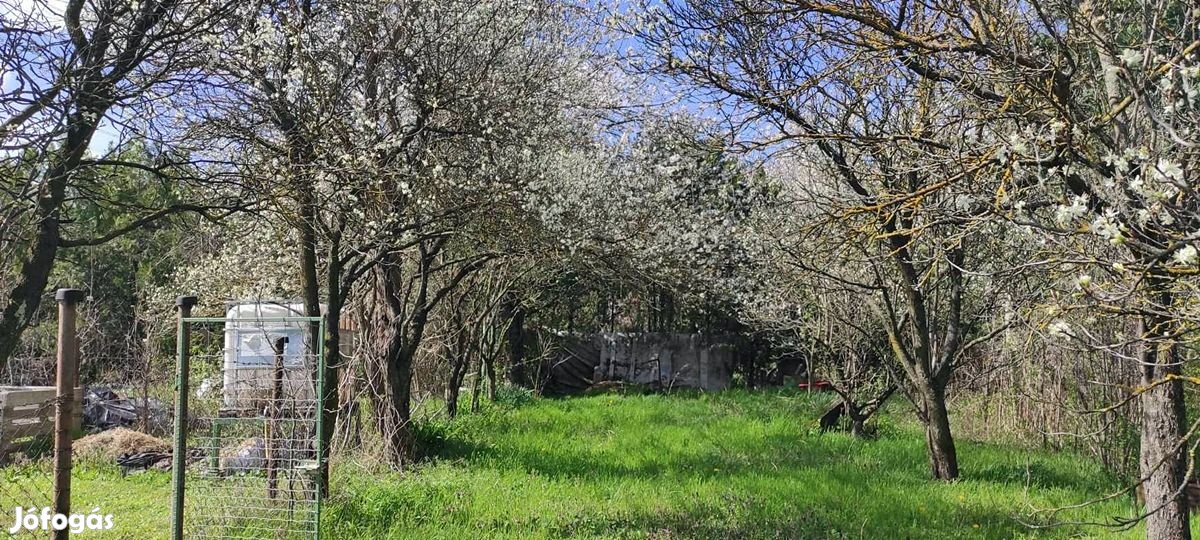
(665, 360)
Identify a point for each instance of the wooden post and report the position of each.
(184, 306)
(68, 372)
(275, 409)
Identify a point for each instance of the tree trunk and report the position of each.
(310, 284)
(459, 362)
(310, 287)
(926, 371)
(401, 443)
(476, 387)
(329, 399)
(943, 458)
(25, 297)
(1163, 462)
(457, 350)
(858, 427)
(489, 368)
(452, 392)
(350, 418)
(403, 338)
(514, 337)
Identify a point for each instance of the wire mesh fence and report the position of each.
(42, 410)
(251, 430)
(29, 410)
(26, 445)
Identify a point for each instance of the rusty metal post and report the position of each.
(64, 411)
(179, 458)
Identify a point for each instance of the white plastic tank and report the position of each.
(251, 331)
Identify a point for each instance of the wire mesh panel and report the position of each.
(251, 427)
(26, 449)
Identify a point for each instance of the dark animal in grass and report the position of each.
(832, 416)
(858, 414)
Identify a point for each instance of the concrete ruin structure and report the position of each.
(658, 360)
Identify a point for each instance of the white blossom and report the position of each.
(1067, 214)
(1108, 227)
(1185, 256)
(1059, 329)
(1131, 58)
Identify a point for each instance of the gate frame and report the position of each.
(184, 305)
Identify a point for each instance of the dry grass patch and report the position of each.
(111, 444)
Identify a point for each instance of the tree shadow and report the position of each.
(773, 483)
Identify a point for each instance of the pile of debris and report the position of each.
(109, 415)
(129, 449)
(104, 409)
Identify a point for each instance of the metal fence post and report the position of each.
(68, 373)
(179, 457)
(322, 478)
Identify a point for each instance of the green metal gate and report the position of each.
(248, 419)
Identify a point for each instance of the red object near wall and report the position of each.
(815, 385)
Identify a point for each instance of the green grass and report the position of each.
(140, 504)
(732, 465)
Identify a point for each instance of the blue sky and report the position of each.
(51, 10)
(664, 92)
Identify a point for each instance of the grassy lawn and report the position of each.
(733, 465)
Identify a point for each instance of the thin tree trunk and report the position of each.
(452, 393)
(515, 340)
(329, 399)
(477, 386)
(310, 282)
(457, 351)
(927, 372)
(404, 336)
(489, 368)
(858, 426)
(459, 362)
(349, 430)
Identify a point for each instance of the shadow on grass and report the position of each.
(725, 520)
(717, 467)
(1033, 474)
